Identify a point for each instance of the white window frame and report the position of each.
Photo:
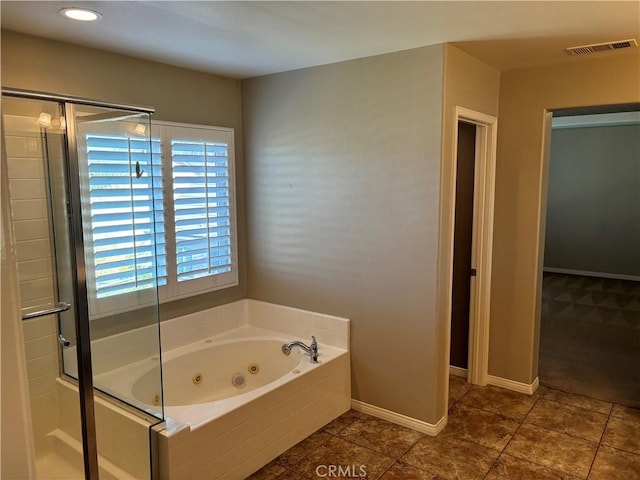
(173, 290)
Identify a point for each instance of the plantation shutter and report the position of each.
(127, 237)
(126, 222)
(202, 208)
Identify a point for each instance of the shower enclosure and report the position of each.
(84, 184)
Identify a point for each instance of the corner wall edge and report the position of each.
(528, 388)
(399, 419)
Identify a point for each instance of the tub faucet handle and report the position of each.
(314, 349)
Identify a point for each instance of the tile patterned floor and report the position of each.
(492, 434)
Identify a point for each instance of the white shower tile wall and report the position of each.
(42, 370)
(29, 199)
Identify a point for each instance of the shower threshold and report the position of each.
(61, 459)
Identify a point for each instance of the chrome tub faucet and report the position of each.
(312, 350)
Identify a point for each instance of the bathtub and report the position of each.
(207, 371)
(232, 400)
(209, 378)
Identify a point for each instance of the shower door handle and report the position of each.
(60, 307)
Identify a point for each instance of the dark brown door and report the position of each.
(463, 237)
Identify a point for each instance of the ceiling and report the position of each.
(245, 39)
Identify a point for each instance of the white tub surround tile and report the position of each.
(201, 325)
(303, 324)
(294, 322)
(122, 349)
(241, 442)
(238, 442)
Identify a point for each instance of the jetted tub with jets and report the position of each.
(206, 379)
(233, 401)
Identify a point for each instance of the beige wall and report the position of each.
(343, 165)
(177, 94)
(471, 84)
(521, 193)
(594, 171)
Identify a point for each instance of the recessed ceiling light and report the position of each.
(82, 14)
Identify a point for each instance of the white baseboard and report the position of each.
(399, 419)
(614, 276)
(513, 385)
(458, 371)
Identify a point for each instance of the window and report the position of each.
(121, 214)
(175, 190)
(203, 216)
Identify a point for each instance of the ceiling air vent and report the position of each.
(602, 47)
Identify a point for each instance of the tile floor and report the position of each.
(492, 434)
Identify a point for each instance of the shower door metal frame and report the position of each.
(83, 340)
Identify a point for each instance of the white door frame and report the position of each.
(482, 242)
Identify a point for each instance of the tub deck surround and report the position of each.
(120, 359)
(230, 438)
(236, 444)
(300, 324)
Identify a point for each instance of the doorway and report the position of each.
(462, 247)
(472, 204)
(590, 315)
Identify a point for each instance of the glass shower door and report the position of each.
(121, 213)
(82, 204)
